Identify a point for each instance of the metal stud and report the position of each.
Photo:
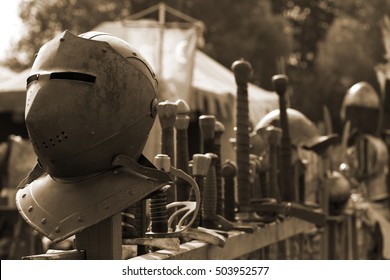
(43, 221)
(57, 229)
(30, 209)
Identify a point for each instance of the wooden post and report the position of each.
(102, 241)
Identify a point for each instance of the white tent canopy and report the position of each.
(214, 85)
(13, 92)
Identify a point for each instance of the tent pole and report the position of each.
(143, 13)
(161, 21)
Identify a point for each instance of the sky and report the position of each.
(10, 24)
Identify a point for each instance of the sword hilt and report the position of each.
(242, 72)
(287, 189)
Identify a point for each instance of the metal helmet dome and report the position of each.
(302, 131)
(361, 107)
(361, 94)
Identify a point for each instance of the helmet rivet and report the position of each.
(153, 107)
(115, 171)
(62, 39)
(30, 209)
(23, 195)
(104, 50)
(43, 221)
(57, 229)
(92, 133)
(80, 219)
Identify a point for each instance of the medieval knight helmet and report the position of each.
(361, 107)
(91, 102)
(303, 132)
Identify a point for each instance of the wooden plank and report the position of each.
(237, 244)
(58, 255)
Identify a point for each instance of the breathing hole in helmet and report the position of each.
(51, 142)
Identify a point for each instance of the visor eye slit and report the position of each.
(76, 76)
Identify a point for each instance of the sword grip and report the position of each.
(287, 190)
(229, 172)
(182, 155)
(242, 71)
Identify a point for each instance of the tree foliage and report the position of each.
(351, 49)
(42, 19)
(310, 21)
